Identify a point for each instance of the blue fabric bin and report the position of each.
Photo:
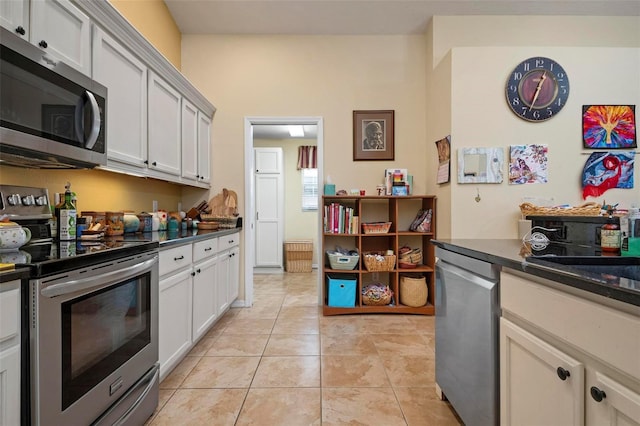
(342, 292)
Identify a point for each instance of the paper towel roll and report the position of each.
(524, 227)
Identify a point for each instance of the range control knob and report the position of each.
(41, 200)
(28, 200)
(13, 199)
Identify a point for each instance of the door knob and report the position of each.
(562, 373)
(20, 30)
(597, 394)
(43, 44)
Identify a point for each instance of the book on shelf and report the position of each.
(339, 219)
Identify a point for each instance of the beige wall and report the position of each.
(477, 114)
(155, 23)
(298, 224)
(327, 76)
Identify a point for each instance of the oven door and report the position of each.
(94, 334)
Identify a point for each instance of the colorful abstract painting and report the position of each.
(528, 164)
(606, 170)
(609, 126)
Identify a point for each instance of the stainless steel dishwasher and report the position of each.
(467, 345)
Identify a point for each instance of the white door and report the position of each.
(269, 187)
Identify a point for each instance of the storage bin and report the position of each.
(413, 291)
(341, 261)
(298, 255)
(341, 292)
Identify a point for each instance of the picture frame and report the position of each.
(480, 165)
(59, 120)
(373, 135)
(609, 126)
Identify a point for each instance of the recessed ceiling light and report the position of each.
(296, 131)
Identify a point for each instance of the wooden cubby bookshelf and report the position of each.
(400, 211)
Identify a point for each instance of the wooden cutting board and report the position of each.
(224, 204)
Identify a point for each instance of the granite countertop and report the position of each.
(175, 238)
(605, 276)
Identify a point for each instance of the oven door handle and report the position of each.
(95, 281)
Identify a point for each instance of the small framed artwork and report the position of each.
(609, 126)
(59, 120)
(399, 190)
(373, 135)
(444, 160)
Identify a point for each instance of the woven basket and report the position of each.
(587, 209)
(412, 256)
(376, 295)
(413, 291)
(376, 227)
(375, 262)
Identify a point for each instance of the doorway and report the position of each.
(250, 124)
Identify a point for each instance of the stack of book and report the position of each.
(339, 219)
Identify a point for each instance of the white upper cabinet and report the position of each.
(14, 16)
(125, 76)
(189, 141)
(57, 27)
(62, 30)
(164, 126)
(204, 148)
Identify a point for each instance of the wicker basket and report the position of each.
(411, 256)
(587, 209)
(376, 227)
(298, 254)
(375, 262)
(376, 295)
(413, 291)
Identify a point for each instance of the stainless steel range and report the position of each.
(92, 322)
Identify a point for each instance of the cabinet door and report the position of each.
(204, 148)
(62, 30)
(14, 16)
(126, 79)
(189, 141)
(174, 326)
(205, 305)
(10, 386)
(224, 265)
(616, 405)
(164, 126)
(531, 390)
(234, 274)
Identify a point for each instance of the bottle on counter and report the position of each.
(610, 235)
(66, 217)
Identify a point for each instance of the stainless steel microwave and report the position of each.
(51, 115)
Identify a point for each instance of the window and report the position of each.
(309, 189)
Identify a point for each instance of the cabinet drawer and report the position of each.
(9, 317)
(175, 258)
(601, 331)
(204, 249)
(228, 241)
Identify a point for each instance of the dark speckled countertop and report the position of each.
(603, 275)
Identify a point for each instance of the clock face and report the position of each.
(537, 89)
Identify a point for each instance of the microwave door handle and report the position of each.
(95, 124)
(79, 121)
(96, 281)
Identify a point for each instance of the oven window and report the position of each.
(100, 332)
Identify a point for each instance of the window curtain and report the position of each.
(307, 157)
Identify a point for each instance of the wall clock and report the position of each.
(537, 89)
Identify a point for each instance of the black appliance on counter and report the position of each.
(89, 322)
(571, 229)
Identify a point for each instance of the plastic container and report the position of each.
(343, 262)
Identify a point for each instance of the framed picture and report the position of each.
(444, 160)
(480, 165)
(609, 126)
(59, 120)
(373, 135)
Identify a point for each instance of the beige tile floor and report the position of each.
(282, 363)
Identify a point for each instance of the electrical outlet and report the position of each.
(155, 206)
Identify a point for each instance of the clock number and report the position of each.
(515, 101)
(539, 63)
(513, 88)
(564, 89)
(559, 102)
(526, 66)
(524, 110)
(536, 114)
(517, 76)
(549, 112)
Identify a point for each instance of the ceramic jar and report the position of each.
(131, 222)
(13, 236)
(146, 222)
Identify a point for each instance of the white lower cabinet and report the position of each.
(566, 359)
(10, 353)
(174, 328)
(198, 283)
